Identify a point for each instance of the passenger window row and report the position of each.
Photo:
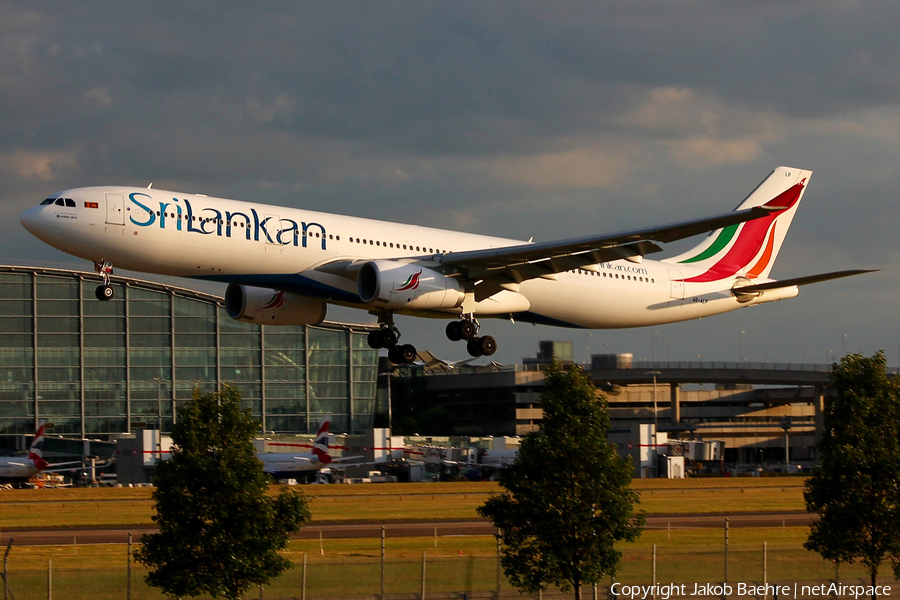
(396, 246)
(615, 276)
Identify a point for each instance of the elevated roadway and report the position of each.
(792, 384)
(721, 373)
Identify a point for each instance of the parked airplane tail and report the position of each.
(749, 249)
(35, 453)
(320, 446)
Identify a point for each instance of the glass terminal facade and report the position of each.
(94, 368)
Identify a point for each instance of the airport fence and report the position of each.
(462, 569)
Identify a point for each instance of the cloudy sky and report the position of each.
(517, 119)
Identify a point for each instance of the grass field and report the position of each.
(459, 563)
(453, 563)
(127, 507)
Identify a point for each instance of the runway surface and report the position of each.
(56, 537)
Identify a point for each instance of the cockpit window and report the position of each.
(70, 203)
(48, 201)
(60, 202)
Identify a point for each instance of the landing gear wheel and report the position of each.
(467, 329)
(395, 355)
(388, 338)
(402, 354)
(374, 340)
(474, 347)
(487, 345)
(454, 331)
(105, 292)
(408, 353)
(382, 338)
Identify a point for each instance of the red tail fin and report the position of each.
(35, 453)
(749, 249)
(320, 446)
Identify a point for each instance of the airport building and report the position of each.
(757, 411)
(98, 368)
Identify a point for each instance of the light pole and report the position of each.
(741, 345)
(655, 420)
(387, 375)
(786, 425)
(158, 381)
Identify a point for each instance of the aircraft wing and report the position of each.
(275, 461)
(294, 459)
(60, 468)
(563, 255)
(505, 268)
(496, 269)
(346, 458)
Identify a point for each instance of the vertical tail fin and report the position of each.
(35, 452)
(749, 249)
(320, 446)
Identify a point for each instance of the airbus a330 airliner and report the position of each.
(283, 266)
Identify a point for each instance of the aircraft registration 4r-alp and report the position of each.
(283, 266)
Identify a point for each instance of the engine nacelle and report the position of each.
(390, 284)
(271, 307)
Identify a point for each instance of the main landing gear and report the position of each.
(105, 291)
(387, 336)
(467, 329)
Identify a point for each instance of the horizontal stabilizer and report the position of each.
(783, 283)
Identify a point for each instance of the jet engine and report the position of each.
(399, 286)
(270, 307)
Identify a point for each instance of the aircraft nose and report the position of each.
(29, 219)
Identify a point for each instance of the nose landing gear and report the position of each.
(106, 291)
(387, 336)
(467, 329)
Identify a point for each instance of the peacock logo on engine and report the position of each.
(276, 301)
(410, 284)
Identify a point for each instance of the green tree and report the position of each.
(219, 530)
(567, 498)
(855, 490)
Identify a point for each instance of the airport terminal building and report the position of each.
(97, 368)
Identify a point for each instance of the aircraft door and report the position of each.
(677, 285)
(115, 209)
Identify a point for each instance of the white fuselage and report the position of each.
(229, 241)
(284, 463)
(17, 469)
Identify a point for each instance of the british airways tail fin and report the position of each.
(320, 446)
(749, 249)
(35, 452)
